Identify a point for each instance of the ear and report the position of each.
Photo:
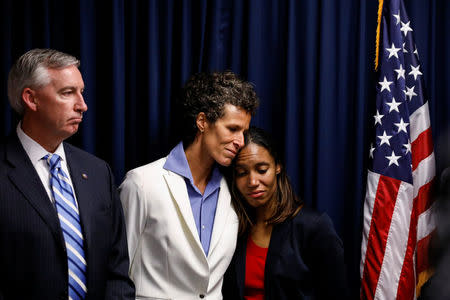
(278, 169)
(201, 121)
(29, 99)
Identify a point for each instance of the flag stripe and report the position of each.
(423, 262)
(407, 278)
(424, 197)
(424, 173)
(382, 213)
(419, 121)
(421, 147)
(371, 191)
(396, 243)
(406, 286)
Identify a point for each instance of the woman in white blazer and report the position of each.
(181, 226)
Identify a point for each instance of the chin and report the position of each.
(225, 162)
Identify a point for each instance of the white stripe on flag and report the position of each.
(424, 173)
(419, 121)
(371, 192)
(426, 223)
(396, 244)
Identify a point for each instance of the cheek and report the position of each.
(240, 184)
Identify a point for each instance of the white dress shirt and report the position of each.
(36, 154)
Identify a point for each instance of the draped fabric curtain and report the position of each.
(311, 63)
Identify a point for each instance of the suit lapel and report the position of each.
(240, 260)
(223, 209)
(24, 176)
(177, 188)
(81, 189)
(277, 239)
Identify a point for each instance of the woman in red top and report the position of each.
(284, 250)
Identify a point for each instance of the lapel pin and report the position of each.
(84, 176)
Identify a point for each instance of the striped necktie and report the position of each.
(69, 219)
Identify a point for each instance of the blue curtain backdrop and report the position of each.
(311, 63)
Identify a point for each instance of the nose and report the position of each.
(252, 180)
(80, 105)
(239, 140)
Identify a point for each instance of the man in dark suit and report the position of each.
(62, 233)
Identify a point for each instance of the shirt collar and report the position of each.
(33, 149)
(177, 163)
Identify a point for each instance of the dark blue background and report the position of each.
(311, 63)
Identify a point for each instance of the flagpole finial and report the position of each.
(377, 49)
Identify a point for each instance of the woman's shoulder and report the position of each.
(310, 221)
(310, 216)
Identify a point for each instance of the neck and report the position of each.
(35, 132)
(200, 164)
(264, 212)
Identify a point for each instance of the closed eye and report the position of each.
(240, 173)
(262, 171)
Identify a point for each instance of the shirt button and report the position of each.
(202, 296)
(203, 226)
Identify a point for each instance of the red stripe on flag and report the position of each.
(383, 209)
(407, 282)
(422, 262)
(421, 148)
(424, 197)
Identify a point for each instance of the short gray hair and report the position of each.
(30, 71)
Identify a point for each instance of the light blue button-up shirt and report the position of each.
(203, 206)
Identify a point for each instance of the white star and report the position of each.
(410, 93)
(415, 71)
(408, 147)
(404, 49)
(372, 148)
(393, 51)
(378, 118)
(385, 84)
(397, 18)
(400, 72)
(416, 52)
(393, 105)
(384, 138)
(393, 159)
(401, 126)
(405, 28)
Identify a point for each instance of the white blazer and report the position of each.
(167, 260)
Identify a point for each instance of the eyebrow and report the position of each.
(260, 164)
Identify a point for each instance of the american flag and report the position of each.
(398, 209)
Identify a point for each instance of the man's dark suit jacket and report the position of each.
(305, 260)
(33, 259)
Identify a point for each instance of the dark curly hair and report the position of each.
(208, 93)
(286, 204)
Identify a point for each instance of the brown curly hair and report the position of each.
(208, 93)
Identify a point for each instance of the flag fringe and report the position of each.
(377, 49)
(423, 277)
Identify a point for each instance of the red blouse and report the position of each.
(255, 262)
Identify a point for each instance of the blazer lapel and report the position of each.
(177, 188)
(24, 176)
(81, 190)
(223, 209)
(279, 234)
(240, 259)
